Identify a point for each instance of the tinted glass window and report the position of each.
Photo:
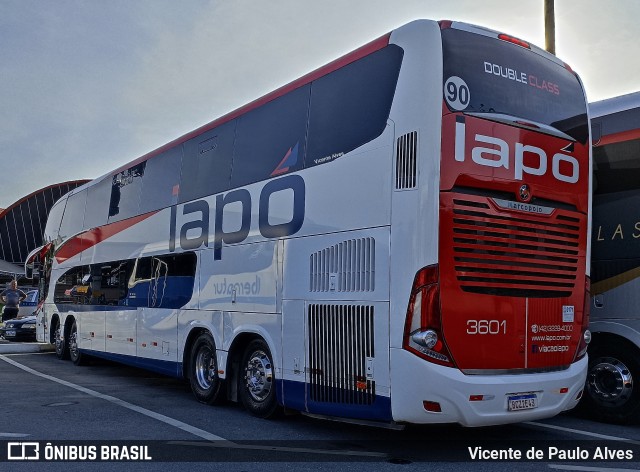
(73, 218)
(487, 75)
(126, 187)
(271, 140)
(160, 282)
(206, 166)
(97, 210)
(53, 220)
(616, 186)
(616, 167)
(350, 106)
(161, 181)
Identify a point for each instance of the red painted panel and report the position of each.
(512, 280)
(75, 245)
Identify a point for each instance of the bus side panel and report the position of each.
(620, 301)
(264, 325)
(336, 292)
(120, 328)
(157, 334)
(244, 279)
(293, 354)
(417, 108)
(351, 192)
(91, 330)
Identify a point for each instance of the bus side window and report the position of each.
(126, 187)
(206, 163)
(271, 140)
(350, 106)
(141, 272)
(97, 209)
(162, 179)
(73, 217)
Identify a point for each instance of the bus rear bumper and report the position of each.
(477, 400)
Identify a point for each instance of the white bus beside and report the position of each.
(399, 236)
(613, 382)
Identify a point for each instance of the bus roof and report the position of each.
(615, 104)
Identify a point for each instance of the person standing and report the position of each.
(12, 296)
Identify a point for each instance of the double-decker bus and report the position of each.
(613, 381)
(397, 237)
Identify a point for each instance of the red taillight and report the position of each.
(423, 325)
(514, 40)
(584, 343)
(445, 24)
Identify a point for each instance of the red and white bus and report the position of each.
(613, 382)
(399, 236)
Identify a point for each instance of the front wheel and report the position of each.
(203, 373)
(612, 391)
(257, 381)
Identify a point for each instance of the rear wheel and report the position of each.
(257, 389)
(203, 374)
(612, 391)
(62, 349)
(74, 352)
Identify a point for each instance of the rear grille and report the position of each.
(514, 254)
(341, 351)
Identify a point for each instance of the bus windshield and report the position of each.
(503, 79)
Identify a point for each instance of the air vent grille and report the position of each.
(341, 352)
(406, 155)
(348, 266)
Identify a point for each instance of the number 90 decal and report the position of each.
(456, 93)
(486, 326)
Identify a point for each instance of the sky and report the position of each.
(89, 85)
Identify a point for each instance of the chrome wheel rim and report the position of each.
(205, 368)
(73, 344)
(259, 376)
(610, 382)
(58, 339)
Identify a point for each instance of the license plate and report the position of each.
(10, 333)
(522, 402)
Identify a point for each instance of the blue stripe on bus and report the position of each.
(172, 369)
(293, 395)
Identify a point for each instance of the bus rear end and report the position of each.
(501, 319)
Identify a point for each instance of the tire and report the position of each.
(62, 345)
(203, 370)
(257, 389)
(74, 352)
(612, 390)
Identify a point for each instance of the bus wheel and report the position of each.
(74, 352)
(612, 392)
(62, 348)
(203, 375)
(257, 384)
